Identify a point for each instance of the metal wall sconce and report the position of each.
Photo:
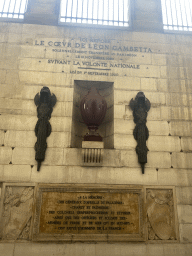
(140, 107)
(45, 101)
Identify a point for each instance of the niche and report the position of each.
(79, 128)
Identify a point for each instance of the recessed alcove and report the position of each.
(79, 128)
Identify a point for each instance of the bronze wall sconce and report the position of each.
(140, 107)
(45, 101)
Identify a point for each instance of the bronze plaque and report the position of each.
(89, 212)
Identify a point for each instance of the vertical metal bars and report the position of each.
(13, 8)
(101, 12)
(177, 14)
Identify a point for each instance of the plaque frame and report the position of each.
(175, 214)
(84, 188)
(3, 189)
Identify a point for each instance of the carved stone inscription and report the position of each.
(96, 213)
(88, 212)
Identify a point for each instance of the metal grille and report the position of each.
(100, 12)
(177, 14)
(13, 8)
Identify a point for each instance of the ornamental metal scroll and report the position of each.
(140, 107)
(45, 101)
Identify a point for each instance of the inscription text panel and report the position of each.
(89, 211)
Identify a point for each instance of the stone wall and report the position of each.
(33, 56)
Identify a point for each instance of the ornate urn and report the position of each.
(93, 108)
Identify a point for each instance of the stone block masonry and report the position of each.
(159, 64)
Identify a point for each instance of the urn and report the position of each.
(93, 108)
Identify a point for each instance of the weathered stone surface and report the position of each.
(34, 29)
(129, 159)
(2, 76)
(59, 140)
(20, 138)
(17, 122)
(148, 71)
(61, 124)
(3, 37)
(122, 249)
(184, 214)
(155, 98)
(34, 249)
(72, 156)
(122, 126)
(176, 177)
(12, 77)
(5, 155)
(54, 156)
(158, 127)
(163, 72)
(17, 173)
(160, 214)
(186, 144)
(1, 171)
(185, 233)
(7, 249)
(178, 99)
(184, 195)
(180, 128)
(177, 249)
(148, 84)
(158, 160)
(122, 141)
(181, 160)
(79, 249)
(123, 97)
(14, 38)
(164, 143)
(17, 212)
(175, 113)
(2, 135)
(159, 59)
(24, 156)
(98, 175)
(155, 249)
(127, 83)
(52, 174)
(154, 114)
(28, 51)
(129, 175)
(48, 78)
(162, 85)
(108, 129)
(28, 139)
(176, 85)
(9, 62)
(63, 109)
(120, 112)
